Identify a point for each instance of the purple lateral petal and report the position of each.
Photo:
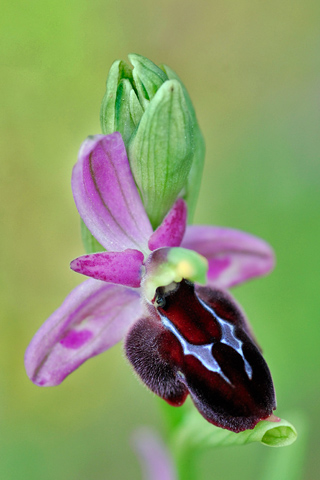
(123, 268)
(106, 195)
(233, 256)
(171, 231)
(94, 317)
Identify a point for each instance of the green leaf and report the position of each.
(288, 463)
(195, 433)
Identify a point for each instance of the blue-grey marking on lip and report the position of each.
(202, 352)
(228, 337)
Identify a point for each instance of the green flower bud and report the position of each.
(148, 78)
(161, 150)
(121, 110)
(192, 188)
(152, 110)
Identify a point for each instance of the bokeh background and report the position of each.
(252, 70)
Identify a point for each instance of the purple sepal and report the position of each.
(94, 317)
(171, 231)
(106, 195)
(233, 256)
(122, 268)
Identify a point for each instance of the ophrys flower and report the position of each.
(181, 338)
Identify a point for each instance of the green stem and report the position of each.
(186, 464)
(184, 457)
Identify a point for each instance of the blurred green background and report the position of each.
(252, 70)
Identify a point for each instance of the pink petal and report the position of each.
(233, 256)
(171, 231)
(123, 268)
(94, 317)
(155, 458)
(106, 195)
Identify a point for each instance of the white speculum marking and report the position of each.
(203, 353)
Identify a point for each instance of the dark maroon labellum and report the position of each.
(198, 342)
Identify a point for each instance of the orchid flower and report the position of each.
(181, 338)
